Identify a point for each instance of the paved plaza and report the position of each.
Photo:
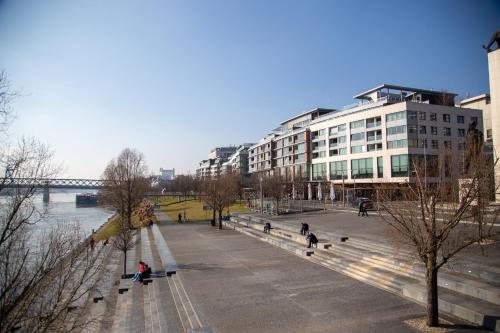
(239, 284)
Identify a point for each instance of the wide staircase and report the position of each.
(157, 304)
(469, 291)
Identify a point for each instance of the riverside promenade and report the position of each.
(239, 284)
(226, 281)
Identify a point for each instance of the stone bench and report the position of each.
(125, 285)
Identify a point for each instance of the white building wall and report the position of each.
(348, 117)
(494, 73)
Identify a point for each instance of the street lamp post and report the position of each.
(261, 197)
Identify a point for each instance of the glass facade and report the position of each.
(362, 168)
(318, 171)
(399, 166)
(380, 167)
(338, 169)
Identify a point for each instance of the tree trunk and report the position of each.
(213, 218)
(220, 218)
(432, 291)
(124, 264)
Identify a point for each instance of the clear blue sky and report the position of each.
(174, 79)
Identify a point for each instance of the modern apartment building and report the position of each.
(212, 166)
(377, 140)
(291, 152)
(481, 102)
(373, 141)
(260, 155)
(238, 162)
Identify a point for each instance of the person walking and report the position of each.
(365, 210)
(360, 211)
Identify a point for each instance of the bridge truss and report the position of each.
(57, 183)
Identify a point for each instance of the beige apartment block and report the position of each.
(494, 74)
(376, 141)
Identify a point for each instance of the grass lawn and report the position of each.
(194, 209)
(110, 228)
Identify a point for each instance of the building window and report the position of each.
(380, 167)
(461, 132)
(357, 149)
(358, 124)
(397, 144)
(412, 143)
(474, 119)
(446, 118)
(434, 130)
(447, 144)
(460, 119)
(319, 171)
(422, 143)
(421, 115)
(357, 136)
(433, 116)
(342, 127)
(399, 166)
(338, 170)
(412, 129)
(395, 116)
(342, 151)
(446, 131)
(435, 144)
(374, 146)
(412, 115)
(422, 130)
(362, 168)
(319, 154)
(396, 130)
(461, 146)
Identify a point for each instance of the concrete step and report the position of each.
(471, 309)
(454, 303)
(169, 264)
(467, 285)
(158, 293)
(128, 316)
(178, 297)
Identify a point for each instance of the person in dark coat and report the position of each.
(313, 240)
(267, 228)
(304, 229)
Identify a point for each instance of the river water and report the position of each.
(62, 209)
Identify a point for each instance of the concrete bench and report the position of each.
(125, 285)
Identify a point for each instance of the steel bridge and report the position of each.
(56, 183)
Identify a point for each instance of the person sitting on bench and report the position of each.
(267, 228)
(138, 275)
(147, 273)
(312, 239)
(305, 229)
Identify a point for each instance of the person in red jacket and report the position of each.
(138, 275)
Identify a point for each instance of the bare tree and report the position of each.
(45, 270)
(123, 241)
(274, 186)
(184, 184)
(220, 192)
(428, 212)
(125, 183)
(6, 97)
